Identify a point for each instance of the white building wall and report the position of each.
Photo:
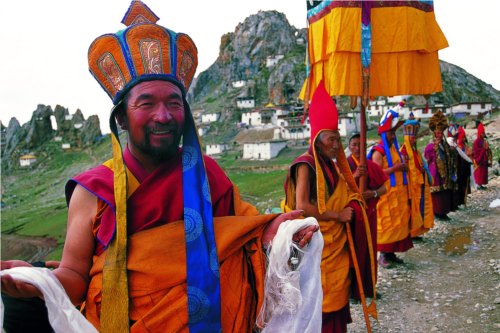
(245, 103)
(202, 131)
(271, 61)
(239, 84)
(26, 161)
(346, 126)
(215, 149)
(472, 109)
(251, 118)
(262, 150)
(377, 110)
(287, 134)
(209, 117)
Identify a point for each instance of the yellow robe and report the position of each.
(157, 274)
(393, 209)
(335, 277)
(422, 214)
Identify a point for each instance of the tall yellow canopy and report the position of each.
(404, 50)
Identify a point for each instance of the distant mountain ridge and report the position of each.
(243, 57)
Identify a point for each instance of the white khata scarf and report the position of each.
(63, 315)
(293, 295)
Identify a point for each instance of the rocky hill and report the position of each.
(73, 130)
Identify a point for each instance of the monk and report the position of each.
(441, 160)
(464, 166)
(393, 209)
(482, 157)
(375, 187)
(158, 238)
(419, 180)
(326, 190)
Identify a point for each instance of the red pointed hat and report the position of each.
(323, 113)
(480, 130)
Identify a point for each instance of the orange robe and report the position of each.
(157, 274)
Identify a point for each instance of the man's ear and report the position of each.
(122, 120)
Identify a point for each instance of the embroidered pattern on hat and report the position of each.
(111, 71)
(151, 56)
(187, 62)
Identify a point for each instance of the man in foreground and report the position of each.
(326, 190)
(158, 238)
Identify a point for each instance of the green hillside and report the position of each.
(33, 202)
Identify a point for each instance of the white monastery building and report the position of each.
(209, 118)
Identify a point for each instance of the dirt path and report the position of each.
(26, 248)
(450, 281)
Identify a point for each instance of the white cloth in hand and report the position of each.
(293, 297)
(63, 315)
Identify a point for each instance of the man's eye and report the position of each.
(175, 104)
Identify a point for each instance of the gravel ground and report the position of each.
(450, 281)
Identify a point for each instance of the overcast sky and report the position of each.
(43, 58)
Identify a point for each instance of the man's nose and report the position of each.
(162, 114)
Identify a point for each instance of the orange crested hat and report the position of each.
(143, 51)
(323, 113)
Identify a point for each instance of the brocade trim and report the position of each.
(151, 56)
(108, 66)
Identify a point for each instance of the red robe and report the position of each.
(153, 187)
(480, 161)
(375, 178)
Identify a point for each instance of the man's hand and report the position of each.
(302, 237)
(15, 288)
(400, 167)
(360, 171)
(368, 194)
(6, 264)
(345, 216)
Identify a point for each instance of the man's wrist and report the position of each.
(375, 194)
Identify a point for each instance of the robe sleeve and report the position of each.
(376, 176)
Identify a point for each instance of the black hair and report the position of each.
(354, 136)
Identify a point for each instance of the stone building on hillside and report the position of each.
(27, 160)
(215, 149)
(260, 144)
